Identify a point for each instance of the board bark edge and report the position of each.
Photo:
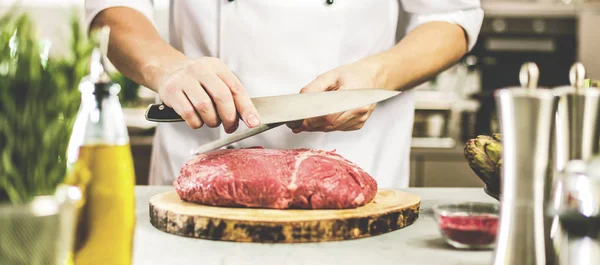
(223, 229)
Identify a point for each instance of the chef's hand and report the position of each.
(205, 91)
(362, 74)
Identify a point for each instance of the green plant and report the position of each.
(38, 103)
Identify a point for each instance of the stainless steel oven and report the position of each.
(505, 43)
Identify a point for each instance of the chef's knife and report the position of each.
(274, 111)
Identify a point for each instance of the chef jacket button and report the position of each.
(329, 2)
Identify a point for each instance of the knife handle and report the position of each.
(162, 113)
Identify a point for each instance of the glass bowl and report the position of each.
(468, 225)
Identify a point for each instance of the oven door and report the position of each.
(506, 43)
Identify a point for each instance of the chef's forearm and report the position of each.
(421, 54)
(135, 48)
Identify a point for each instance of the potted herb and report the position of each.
(38, 102)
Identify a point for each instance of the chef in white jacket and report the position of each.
(220, 53)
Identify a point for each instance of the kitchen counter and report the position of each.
(419, 243)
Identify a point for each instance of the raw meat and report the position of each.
(275, 178)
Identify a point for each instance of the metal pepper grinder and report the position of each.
(577, 140)
(577, 120)
(527, 116)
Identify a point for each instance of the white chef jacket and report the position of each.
(277, 47)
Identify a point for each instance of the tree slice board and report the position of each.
(389, 211)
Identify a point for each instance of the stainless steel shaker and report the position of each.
(527, 116)
(577, 140)
(577, 119)
(578, 208)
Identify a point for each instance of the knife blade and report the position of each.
(292, 107)
(235, 137)
(275, 111)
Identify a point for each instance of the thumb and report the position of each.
(321, 83)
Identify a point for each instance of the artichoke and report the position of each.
(484, 155)
(498, 137)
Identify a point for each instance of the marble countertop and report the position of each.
(419, 243)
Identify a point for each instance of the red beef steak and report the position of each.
(273, 178)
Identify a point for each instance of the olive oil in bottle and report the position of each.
(101, 165)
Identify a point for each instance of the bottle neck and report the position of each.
(100, 120)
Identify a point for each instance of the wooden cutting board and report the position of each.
(389, 211)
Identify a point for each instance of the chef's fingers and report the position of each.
(324, 82)
(341, 122)
(202, 103)
(349, 120)
(351, 126)
(221, 96)
(316, 124)
(181, 104)
(336, 122)
(304, 124)
(294, 124)
(313, 129)
(303, 127)
(359, 118)
(354, 127)
(242, 101)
